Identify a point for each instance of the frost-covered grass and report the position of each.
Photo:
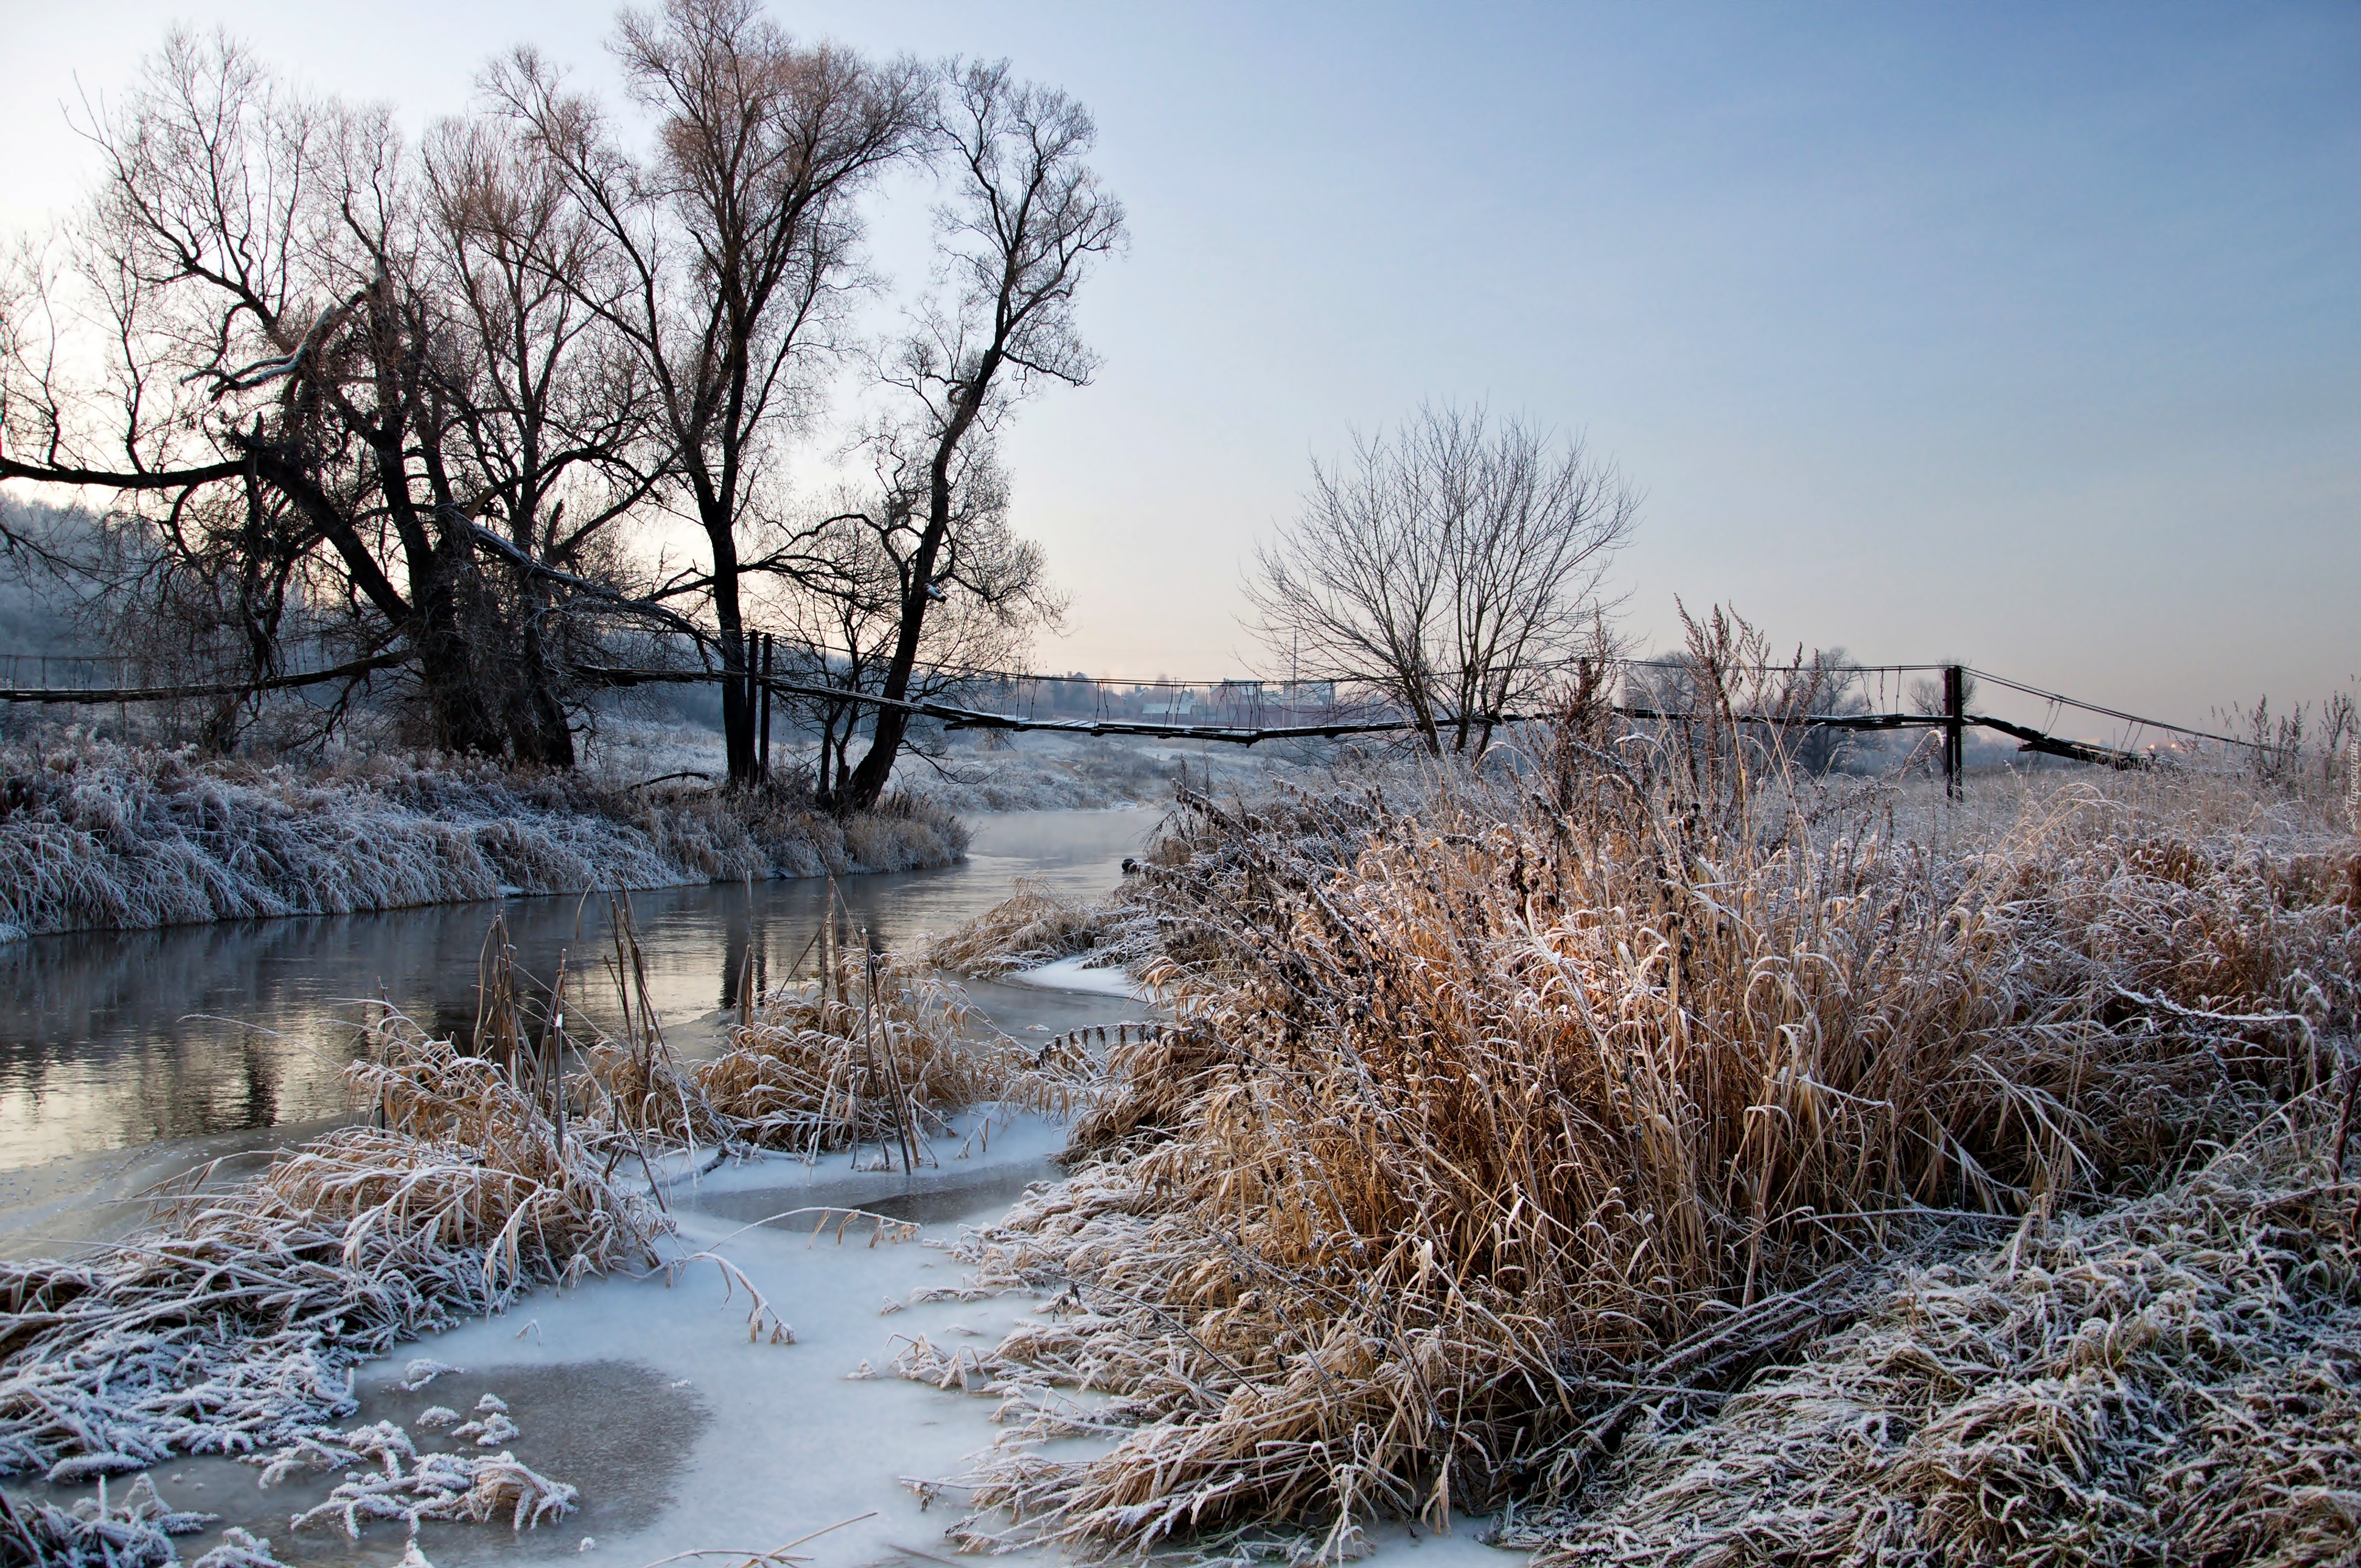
(231, 1327)
(133, 1530)
(1510, 1119)
(1027, 929)
(1704, 1163)
(2177, 1378)
(93, 835)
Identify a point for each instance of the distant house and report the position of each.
(1179, 706)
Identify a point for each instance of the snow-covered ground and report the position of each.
(1076, 973)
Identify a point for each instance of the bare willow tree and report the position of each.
(546, 404)
(1453, 565)
(1026, 218)
(308, 379)
(736, 241)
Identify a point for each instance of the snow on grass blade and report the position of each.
(133, 1533)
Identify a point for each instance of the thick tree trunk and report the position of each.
(867, 785)
(463, 721)
(542, 735)
(737, 711)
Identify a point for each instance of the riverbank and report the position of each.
(1709, 1170)
(175, 1038)
(97, 836)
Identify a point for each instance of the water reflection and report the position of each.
(111, 1039)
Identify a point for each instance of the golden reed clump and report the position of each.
(1594, 1091)
(874, 1051)
(1031, 926)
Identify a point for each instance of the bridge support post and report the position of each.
(1954, 730)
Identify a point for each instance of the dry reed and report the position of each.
(1029, 927)
(236, 1325)
(875, 1051)
(1491, 1123)
(2173, 1379)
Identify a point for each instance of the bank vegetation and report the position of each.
(98, 836)
(1688, 1159)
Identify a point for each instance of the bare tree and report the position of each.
(318, 365)
(251, 256)
(737, 242)
(1453, 566)
(846, 623)
(545, 402)
(1927, 694)
(1025, 219)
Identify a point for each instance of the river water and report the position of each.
(126, 1054)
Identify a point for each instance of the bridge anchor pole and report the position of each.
(1954, 730)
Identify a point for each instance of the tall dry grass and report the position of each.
(2171, 1380)
(875, 1050)
(1497, 1124)
(1034, 926)
(1031, 927)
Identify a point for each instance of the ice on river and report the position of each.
(1074, 974)
(680, 1434)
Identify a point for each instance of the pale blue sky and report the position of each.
(2025, 335)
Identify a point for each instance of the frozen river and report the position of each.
(125, 1055)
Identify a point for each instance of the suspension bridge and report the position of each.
(1228, 711)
